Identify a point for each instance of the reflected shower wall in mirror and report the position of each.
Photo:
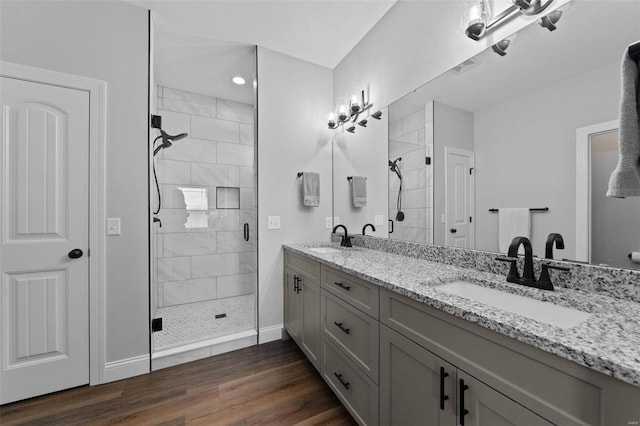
(513, 120)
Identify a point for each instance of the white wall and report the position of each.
(529, 159)
(106, 41)
(363, 153)
(293, 96)
(414, 42)
(452, 128)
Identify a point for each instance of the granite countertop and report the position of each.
(608, 341)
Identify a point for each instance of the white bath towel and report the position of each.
(311, 189)
(625, 179)
(512, 223)
(359, 191)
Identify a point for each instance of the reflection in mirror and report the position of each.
(503, 135)
(363, 154)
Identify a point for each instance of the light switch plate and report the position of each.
(443, 219)
(273, 222)
(328, 223)
(336, 220)
(378, 219)
(113, 226)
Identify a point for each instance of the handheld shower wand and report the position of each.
(167, 141)
(395, 167)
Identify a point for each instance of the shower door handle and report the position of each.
(246, 232)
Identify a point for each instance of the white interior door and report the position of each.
(44, 216)
(459, 197)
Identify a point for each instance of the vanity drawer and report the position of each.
(361, 294)
(356, 391)
(302, 265)
(354, 332)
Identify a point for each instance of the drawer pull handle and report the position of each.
(463, 411)
(346, 287)
(339, 325)
(345, 384)
(295, 283)
(443, 397)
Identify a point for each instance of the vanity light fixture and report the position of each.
(237, 79)
(501, 47)
(549, 21)
(349, 109)
(477, 14)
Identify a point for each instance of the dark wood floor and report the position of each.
(270, 384)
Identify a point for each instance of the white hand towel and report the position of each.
(359, 191)
(311, 189)
(512, 223)
(625, 179)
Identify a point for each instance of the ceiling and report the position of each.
(318, 31)
(204, 66)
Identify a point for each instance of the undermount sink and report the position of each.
(324, 250)
(545, 312)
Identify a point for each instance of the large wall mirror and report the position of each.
(535, 129)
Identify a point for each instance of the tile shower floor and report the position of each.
(193, 322)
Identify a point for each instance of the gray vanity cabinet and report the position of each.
(302, 304)
(488, 407)
(420, 388)
(410, 386)
(381, 353)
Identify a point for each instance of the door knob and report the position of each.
(75, 253)
(453, 230)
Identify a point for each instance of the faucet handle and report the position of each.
(513, 270)
(545, 278)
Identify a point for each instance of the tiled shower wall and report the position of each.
(411, 138)
(201, 251)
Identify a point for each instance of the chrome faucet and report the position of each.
(364, 228)
(346, 239)
(528, 278)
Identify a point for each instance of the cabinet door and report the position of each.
(487, 407)
(410, 384)
(292, 306)
(310, 321)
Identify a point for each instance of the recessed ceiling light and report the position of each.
(238, 80)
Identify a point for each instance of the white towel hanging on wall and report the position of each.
(512, 223)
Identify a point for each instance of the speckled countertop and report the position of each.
(608, 342)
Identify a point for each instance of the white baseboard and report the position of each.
(125, 368)
(271, 333)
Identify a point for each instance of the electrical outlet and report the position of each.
(113, 226)
(378, 219)
(328, 223)
(273, 222)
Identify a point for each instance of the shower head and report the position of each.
(393, 165)
(167, 140)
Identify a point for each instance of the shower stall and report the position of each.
(203, 201)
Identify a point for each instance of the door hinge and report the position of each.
(156, 325)
(427, 160)
(470, 219)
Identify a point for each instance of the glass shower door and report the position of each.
(206, 252)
